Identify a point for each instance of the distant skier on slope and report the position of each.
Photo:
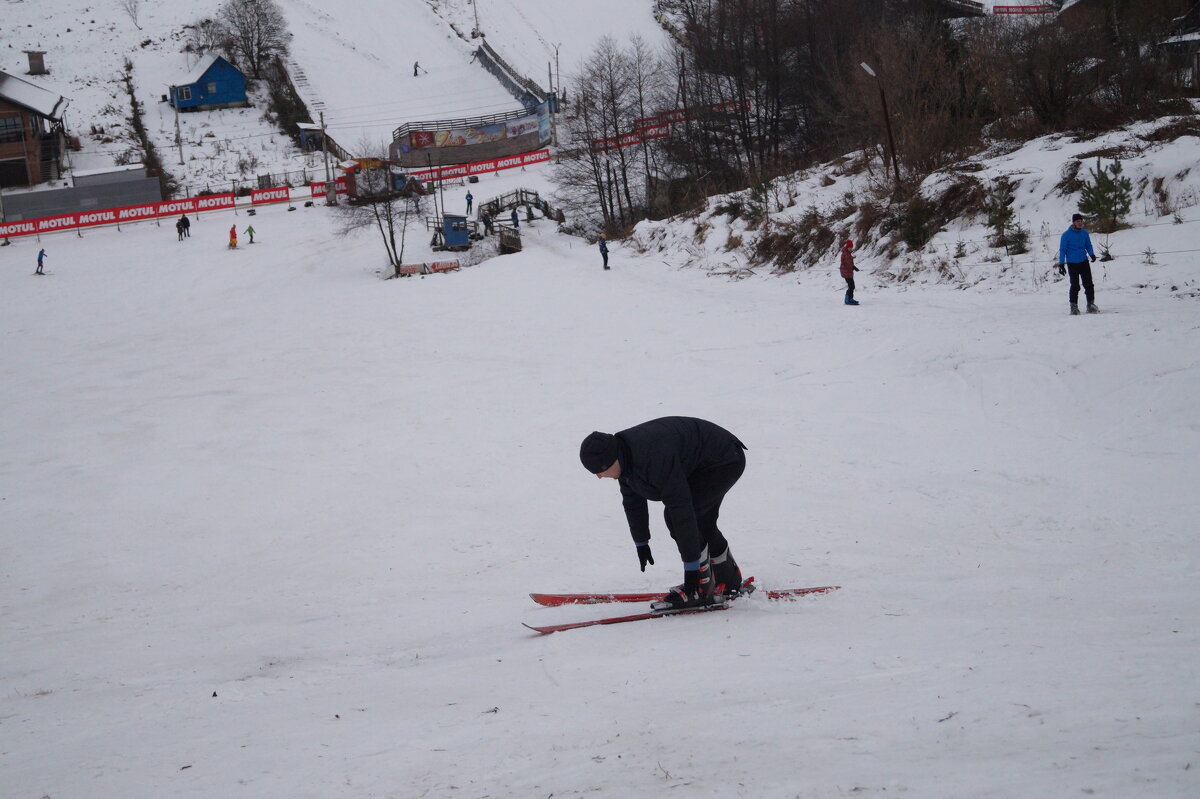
(1074, 249)
(604, 250)
(689, 465)
(233, 237)
(848, 269)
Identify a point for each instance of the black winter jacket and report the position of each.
(657, 458)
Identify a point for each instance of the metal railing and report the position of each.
(466, 122)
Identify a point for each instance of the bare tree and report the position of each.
(208, 35)
(380, 206)
(132, 8)
(258, 32)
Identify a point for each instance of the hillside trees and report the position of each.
(614, 88)
(257, 30)
(248, 33)
(759, 88)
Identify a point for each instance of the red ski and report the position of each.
(574, 625)
(554, 600)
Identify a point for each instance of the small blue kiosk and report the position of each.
(456, 232)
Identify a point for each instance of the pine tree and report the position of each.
(999, 211)
(1107, 196)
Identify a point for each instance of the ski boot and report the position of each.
(1074, 309)
(727, 575)
(696, 590)
(850, 300)
(1091, 308)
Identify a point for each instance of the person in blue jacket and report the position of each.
(1074, 250)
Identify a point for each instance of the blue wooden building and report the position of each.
(214, 83)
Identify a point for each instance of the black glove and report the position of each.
(644, 555)
(1093, 259)
(1062, 270)
(856, 269)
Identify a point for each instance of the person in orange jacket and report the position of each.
(848, 269)
(233, 237)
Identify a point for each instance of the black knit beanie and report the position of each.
(598, 451)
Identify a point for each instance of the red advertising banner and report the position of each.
(318, 189)
(280, 194)
(657, 127)
(443, 266)
(477, 167)
(115, 216)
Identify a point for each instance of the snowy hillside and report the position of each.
(360, 74)
(1157, 253)
(270, 523)
(532, 34)
(86, 48)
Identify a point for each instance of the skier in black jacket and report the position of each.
(688, 465)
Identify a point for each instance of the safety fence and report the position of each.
(138, 213)
(480, 167)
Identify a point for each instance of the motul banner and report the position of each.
(318, 188)
(659, 126)
(477, 167)
(1023, 9)
(115, 216)
(638, 136)
(277, 195)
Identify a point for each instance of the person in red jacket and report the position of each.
(233, 237)
(848, 270)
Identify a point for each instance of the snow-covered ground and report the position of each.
(86, 48)
(269, 523)
(1156, 252)
(357, 62)
(537, 35)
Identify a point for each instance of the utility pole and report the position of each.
(178, 138)
(475, 6)
(330, 186)
(6, 242)
(887, 120)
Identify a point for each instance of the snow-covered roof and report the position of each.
(1183, 37)
(198, 71)
(28, 95)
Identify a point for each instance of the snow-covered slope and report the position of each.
(1157, 252)
(357, 61)
(533, 34)
(87, 46)
(269, 523)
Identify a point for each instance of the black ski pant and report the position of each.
(1081, 272)
(708, 488)
(604, 255)
(849, 288)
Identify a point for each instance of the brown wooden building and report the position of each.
(32, 135)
